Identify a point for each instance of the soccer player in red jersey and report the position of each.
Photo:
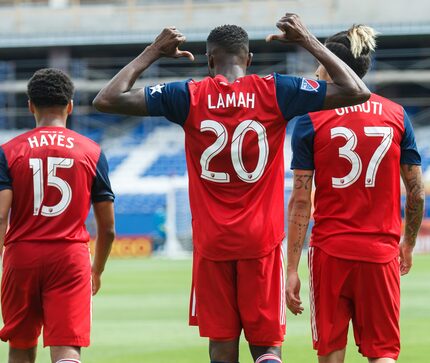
(49, 177)
(357, 155)
(234, 133)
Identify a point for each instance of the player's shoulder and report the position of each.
(169, 88)
(393, 112)
(387, 102)
(19, 138)
(174, 86)
(84, 142)
(318, 118)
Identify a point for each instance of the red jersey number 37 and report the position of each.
(347, 152)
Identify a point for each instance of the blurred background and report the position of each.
(141, 312)
(91, 40)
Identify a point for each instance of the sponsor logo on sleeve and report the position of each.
(309, 85)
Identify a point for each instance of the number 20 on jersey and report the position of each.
(236, 150)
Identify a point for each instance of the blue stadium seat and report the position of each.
(168, 165)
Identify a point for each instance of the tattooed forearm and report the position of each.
(300, 223)
(302, 181)
(415, 197)
(299, 211)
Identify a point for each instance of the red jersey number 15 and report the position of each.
(53, 181)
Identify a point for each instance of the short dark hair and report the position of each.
(231, 38)
(50, 87)
(354, 46)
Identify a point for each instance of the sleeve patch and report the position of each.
(171, 100)
(156, 89)
(309, 85)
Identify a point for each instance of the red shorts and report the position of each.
(368, 293)
(228, 296)
(49, 285)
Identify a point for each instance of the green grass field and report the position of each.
(140, 316)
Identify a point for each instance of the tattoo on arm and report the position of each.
(415, 197)
(299, 212)
(303, 181)
(300, 222)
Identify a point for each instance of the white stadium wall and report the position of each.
(138, 20)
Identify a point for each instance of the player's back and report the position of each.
(234, 135)
(234, 143)
(52, 171)
(357, 154)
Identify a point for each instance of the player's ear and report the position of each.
(211, 61)
(249, 61)
(31, 107)
(211, 65)
(70, 107)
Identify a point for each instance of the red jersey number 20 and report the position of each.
(236, 150)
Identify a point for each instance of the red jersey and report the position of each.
(55, 174)
(356, 153)
(234, 136)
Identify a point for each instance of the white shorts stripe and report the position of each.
(283, 301)
(312, 293)
(91, 292)
(268, 356)
(193, 303)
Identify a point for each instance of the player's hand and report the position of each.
(292, 293)
(167, 42)
(292, 30)
(405, 257)
(96, 281)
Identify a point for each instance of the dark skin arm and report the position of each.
(347, 88)
(299, 212)
(5, 204)
(118, 96)
(414, 211)
(104, 214)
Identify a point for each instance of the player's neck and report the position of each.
(231, 72)
(51, 121)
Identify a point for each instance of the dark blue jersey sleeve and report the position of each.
(409, 152)
(171, 100)
(101, 190)
(298, 96)
(302, 144)
(5, 179)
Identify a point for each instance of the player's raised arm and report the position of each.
(414, 210)
(118, 96)
(347, 88)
